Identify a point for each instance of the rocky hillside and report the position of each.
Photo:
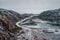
(8, 19)
(51, 15)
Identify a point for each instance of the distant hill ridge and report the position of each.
(50, 15)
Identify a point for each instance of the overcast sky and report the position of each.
(30, 6)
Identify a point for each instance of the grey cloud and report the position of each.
(30, 6)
